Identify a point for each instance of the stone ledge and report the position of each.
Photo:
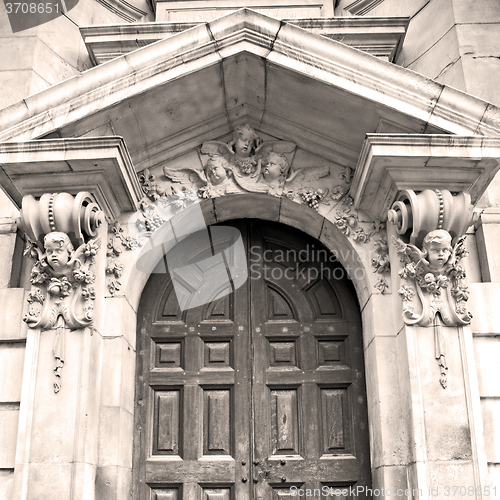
(99, 165)
(379, 36)
(488, 216)
(8, 225)
(394, 162)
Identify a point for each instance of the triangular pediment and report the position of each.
(169, 97)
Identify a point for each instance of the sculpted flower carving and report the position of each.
(337, 192)
(460, 293)
(346, 221)
(36, 295)
(360, 236)
(409, 271)
(83, 276)
(382, 285)
(89, 293)
(90, 249)
(38, 276)
(59, 286)
(406, 292)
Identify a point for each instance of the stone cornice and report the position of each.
(395, 162)
(102, 166)
(362, 7)
(123, 9)
(379, 36)
(283, 44)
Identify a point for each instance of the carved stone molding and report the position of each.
(392, 163)
(61, 231)
(100, 166)
(432, 280)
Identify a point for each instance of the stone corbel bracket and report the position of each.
(427, 186)
(65, 189)
(62, 239)
(390, 163)
(100, 166)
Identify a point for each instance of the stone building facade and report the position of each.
(250, 253)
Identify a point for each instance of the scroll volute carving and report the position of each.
(432, 279)
(61, 231)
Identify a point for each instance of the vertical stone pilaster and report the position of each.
(57, 445)
(488, 237)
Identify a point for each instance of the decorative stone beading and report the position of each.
(61, 232)
(432, 288)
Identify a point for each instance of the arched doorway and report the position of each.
(260, 393)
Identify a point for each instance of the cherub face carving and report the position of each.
(58, 249)
(244, 140)
(217, 170)
(437, 245)
(275, 167)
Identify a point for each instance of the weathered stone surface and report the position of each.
(12, 326)
(259, 206)
(118, 370)
(392, 477)
(11, 371)
(447, 426)
(483, 302)
(471, 262)
(116, 429)
(456, 474)
(119, 320)
(437, 59)
(113, 483)
(487, 354)
(7, 246)
(488, 238)
(477, 12)
(481, 59)
(380, 310)
(48, 481)
(435, 19)
(294, 215)
(397, 8)
(9, 418)
(6, 483)
(384, 404)
(453, 75)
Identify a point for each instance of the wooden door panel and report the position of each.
(193, 376)
(258, 391)
(307, 372)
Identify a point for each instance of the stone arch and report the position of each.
(374, 306)
(287, 212)
(271, 209)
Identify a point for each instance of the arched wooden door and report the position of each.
(260, 393)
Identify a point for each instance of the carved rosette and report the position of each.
(61, 232)
(432, 280)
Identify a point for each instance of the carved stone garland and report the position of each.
(432, 286)
(61, 233)
(246, 164)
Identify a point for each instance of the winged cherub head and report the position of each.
(245, 141)
(437, 248)
(275, 167)
(217, 170)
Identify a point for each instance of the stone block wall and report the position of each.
(37, 58)
(12, 348)
(454, 42)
